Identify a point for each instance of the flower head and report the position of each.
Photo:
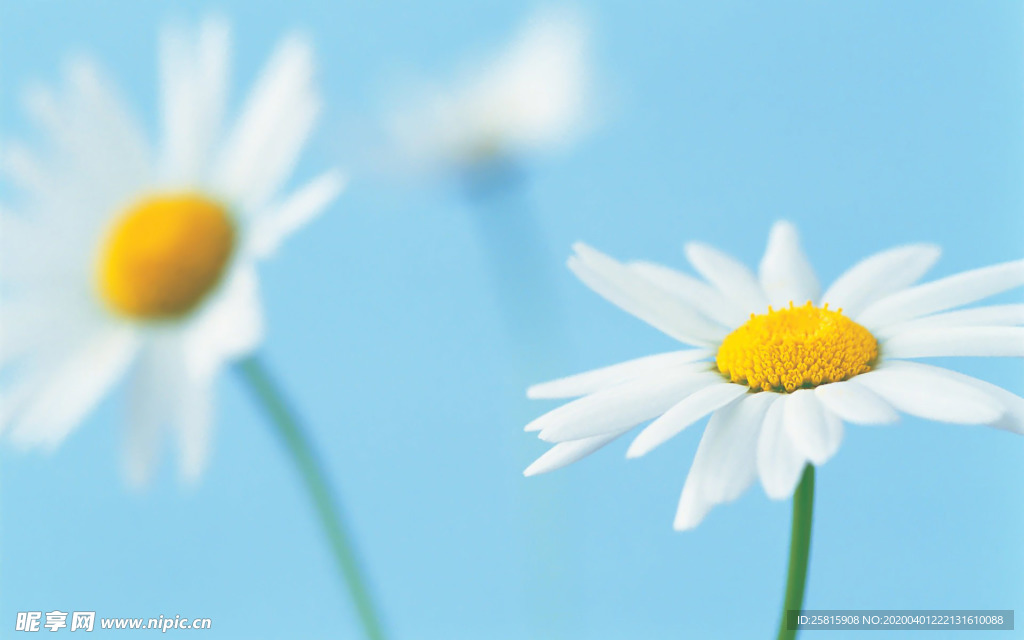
(778, 365)
(530, 97)
(126, 260)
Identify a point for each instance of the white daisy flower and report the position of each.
(779, 365)
(126, 260)
(532, 96)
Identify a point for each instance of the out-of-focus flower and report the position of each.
(531, 97)
(126, 261)
(780, 366)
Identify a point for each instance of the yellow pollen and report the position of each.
(795, 348)
(164, 254)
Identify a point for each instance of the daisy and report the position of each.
(530, 97)
(139, 262)
(780, 366)
(131, 260)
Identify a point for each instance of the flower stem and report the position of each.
(799, 551)
(281, 415)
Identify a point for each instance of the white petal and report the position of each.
(230, 326)
(999, 315)
(74, 388)
(815, 432)
(597, 379)
(531, 97)
(928, 392)
(98, 152)
(102, 151)
(856, 403)
(565, 453)
(27, 325)
(619, 407)
(298, 210)
(636, 295)
(23, 168)
(731, 277)
(17, 394)
(699, 295)
(177, 109)
(193, 423)
(786, 274)
(193, 83)
(45, 255)
(726, 461)
(116, 131)
(879, 275)
(278, 117)
(946, 293)
(534, 94)
(18, 262)
(1013, 419)
(42, 107)
(779, 463)
(682, 415)
(150, 401)
(732, 447)
(43, 331)
(693, 508)
(956, 341)
(165, 393)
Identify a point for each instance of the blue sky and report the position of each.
(868, 124)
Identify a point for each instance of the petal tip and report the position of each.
(637, 449)
(783, 226)
(547, 435)
(531, 427)
(683, 524)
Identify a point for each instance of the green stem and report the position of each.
(263, 388)
(799, 551)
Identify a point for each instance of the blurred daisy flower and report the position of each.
(131, 260)
(780, 366)
(533, 96)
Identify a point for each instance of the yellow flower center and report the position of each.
(164, 255)
(796, 348)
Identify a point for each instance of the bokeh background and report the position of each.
(867, 123)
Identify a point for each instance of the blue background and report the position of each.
(867, 123)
